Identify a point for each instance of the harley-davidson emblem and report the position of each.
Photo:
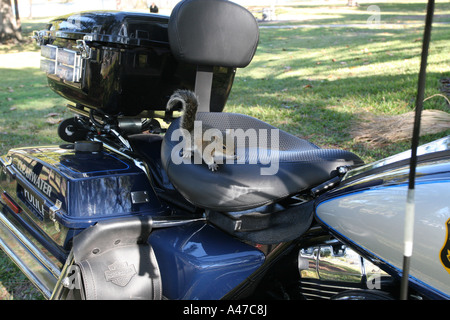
(120, 273)
(445, 251)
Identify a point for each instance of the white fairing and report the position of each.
(373, 219)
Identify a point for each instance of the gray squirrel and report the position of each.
(195, 142)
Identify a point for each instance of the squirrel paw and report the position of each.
(187, 154)
(213, 167)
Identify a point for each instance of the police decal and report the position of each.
(445, 251)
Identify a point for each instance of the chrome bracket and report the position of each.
(83, 48)
(138, 197)
(53, 210)
(41, 37)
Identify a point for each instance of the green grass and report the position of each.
(26, 104)
(316, 83)
(14, 285)
(337, 12)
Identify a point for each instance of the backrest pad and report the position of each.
(213, 33)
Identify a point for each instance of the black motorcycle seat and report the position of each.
(254, 179)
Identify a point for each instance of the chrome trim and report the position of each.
(39, 269)
(60, 286)
(82, 112)
(5, 161)
(167, 222)
(121, 139)
(442, 144)
(314, 290)
(331, 267)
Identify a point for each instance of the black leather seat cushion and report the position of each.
(241, 186)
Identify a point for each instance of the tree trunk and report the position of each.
(16, 12)
(9, 30)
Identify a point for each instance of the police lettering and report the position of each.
(34, 202)
(34, 178)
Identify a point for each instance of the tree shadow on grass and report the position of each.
(307, 81)
(27, 43)
(374, 12)
(26, 104)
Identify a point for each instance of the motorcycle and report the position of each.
(118, 213)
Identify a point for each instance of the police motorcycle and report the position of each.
(111, 214)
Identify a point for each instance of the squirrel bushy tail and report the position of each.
(189, 103)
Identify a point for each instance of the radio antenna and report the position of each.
(410, 205)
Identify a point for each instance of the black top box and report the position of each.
(119, 63)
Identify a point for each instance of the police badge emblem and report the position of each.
(445, 251)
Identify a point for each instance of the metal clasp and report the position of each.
(84, 48)
(41, 37)
(53, 210)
